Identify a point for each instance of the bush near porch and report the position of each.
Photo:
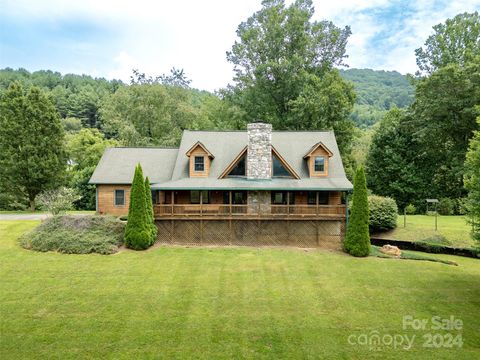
(76, 235)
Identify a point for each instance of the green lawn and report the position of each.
(420, 227)
(225, 303)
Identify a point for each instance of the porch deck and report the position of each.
(247, 212)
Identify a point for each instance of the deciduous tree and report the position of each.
(457, 41)
(140, 115)
(472, 183)
(392, 160)
(85, 149)
(283, 63)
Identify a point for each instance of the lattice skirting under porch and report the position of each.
(326, 234)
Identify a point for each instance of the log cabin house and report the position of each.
(253, 187)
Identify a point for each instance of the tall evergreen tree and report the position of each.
(357, 239)
(149, 210)
(32, 153)
(138, 233)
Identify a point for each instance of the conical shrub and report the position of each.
(149, 208)
(357, 239)
(137, 232)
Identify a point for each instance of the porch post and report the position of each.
(317, 201)
(172, 200)
(288, 203)
(201, 202)
(230, 201)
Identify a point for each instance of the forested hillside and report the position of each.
(96, 113)
(377, 92)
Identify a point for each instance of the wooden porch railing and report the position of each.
(227, 211)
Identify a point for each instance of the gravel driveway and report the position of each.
(23, 216)
(31, 216)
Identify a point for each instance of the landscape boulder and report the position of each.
(390, 250)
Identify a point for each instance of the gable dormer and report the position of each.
(199, 160)
(317, 160)
(279, 167)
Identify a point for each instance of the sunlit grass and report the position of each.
(420, 227)
(226, 303)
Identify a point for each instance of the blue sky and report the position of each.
(109, 38)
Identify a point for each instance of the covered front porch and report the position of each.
(248, 204)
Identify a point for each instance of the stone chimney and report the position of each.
(259, 153)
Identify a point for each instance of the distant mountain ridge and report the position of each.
(377, 92)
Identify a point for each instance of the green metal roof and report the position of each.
(168, 168)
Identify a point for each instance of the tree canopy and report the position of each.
(472, 182)
(284, 70)
(84, 149)
(32, 152)
(454, 42)
(420, 152)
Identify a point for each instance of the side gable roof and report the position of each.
(168, 168)
(315, 147)
(199, 144)
(117, 165)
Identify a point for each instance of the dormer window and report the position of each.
(199, 163)
(319, 164)
(317, 160)
(200, 160)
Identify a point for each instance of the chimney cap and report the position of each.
(259, 121)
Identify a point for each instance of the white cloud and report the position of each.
(124, 65)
